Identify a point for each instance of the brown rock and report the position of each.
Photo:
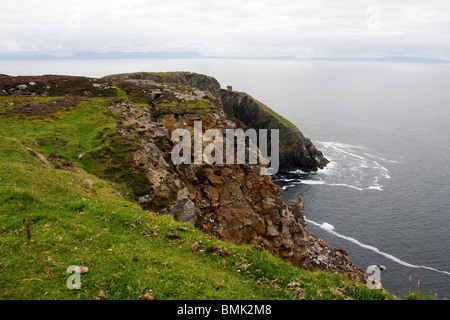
(231, 202)
(212, 193)
(215, 180)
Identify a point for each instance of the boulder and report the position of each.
(184, 209)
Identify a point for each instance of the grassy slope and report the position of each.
(262, 106)
(81, 225)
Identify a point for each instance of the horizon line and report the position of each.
(116, 55)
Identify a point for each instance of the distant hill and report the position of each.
(195, 55)
(102, 55)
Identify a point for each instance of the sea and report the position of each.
(385, 127)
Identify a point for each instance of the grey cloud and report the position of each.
(237, 28)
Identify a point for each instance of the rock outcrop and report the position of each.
(296, 151)
(200, 81)
(233, 202)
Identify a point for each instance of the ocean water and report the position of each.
(385, 196)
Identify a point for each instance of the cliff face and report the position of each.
(232, 202)
(296, 151)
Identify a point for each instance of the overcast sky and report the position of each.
(312, 28)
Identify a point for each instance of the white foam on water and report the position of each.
(299, 172)
(320, 182)
(380, 158)
(331, 166)
(326, 226)
(311, 182)
(352, 166)
(374, 188)
(344, 185)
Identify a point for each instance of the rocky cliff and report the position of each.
(232, 202)
(296, 151)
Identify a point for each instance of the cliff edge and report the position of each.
(296, 151)
(124, 136)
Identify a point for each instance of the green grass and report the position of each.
(76, 224)
(269, 110)
(68, 132)
(417, 293)
(79, 225)
(87, 129)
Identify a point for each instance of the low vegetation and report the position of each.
(77, 208)
(79, 219)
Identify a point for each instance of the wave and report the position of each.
(320, 182)
(380, 158)
(375, 188)
(351, 166)
(346, 185)
(330, 228)
(327, 226)
(311, 182)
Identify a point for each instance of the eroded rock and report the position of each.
(184, 209)
(229, 201)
